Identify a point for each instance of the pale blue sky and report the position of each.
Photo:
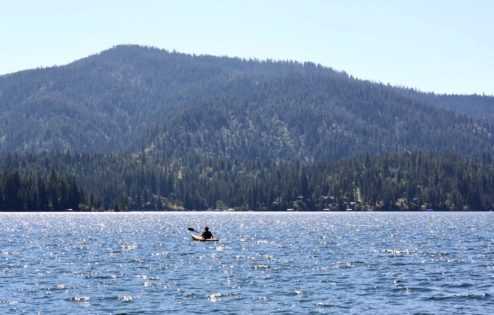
(435, 45)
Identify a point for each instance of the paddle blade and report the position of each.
(191, 229)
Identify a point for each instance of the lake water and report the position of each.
(282, 263)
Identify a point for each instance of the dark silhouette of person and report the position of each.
(206, 234)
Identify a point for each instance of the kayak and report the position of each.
(202, 239)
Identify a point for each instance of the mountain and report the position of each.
(475, 106)
(141, 128)
(141, 99)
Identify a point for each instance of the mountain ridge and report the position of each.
(132, 98)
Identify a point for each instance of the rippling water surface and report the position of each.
(284, 263)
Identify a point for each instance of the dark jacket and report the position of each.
(207, 235)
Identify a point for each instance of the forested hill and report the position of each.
(140, 99)
(475, 106)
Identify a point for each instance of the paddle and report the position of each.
(192, 230)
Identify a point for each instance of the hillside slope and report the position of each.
(131, 98)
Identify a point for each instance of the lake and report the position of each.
(282, 263)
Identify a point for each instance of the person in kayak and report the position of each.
(206, 234)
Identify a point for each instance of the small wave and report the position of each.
(80, 298)
(348, 264)
(463, 296)
(61, 286)
(261, 266)
(103, 277)
(474, 296)
(215, 297)
(400, 252)
(191, 296)
(128, 247)
(322, 304)
(126, 298)
(462, 285)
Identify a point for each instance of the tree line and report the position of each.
(34, 193)
(409, 181)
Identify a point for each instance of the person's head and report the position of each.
(206, 229)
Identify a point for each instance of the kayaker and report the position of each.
(206, 234)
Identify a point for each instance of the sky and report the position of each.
(442, 46)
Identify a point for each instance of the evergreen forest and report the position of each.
(139, 128)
